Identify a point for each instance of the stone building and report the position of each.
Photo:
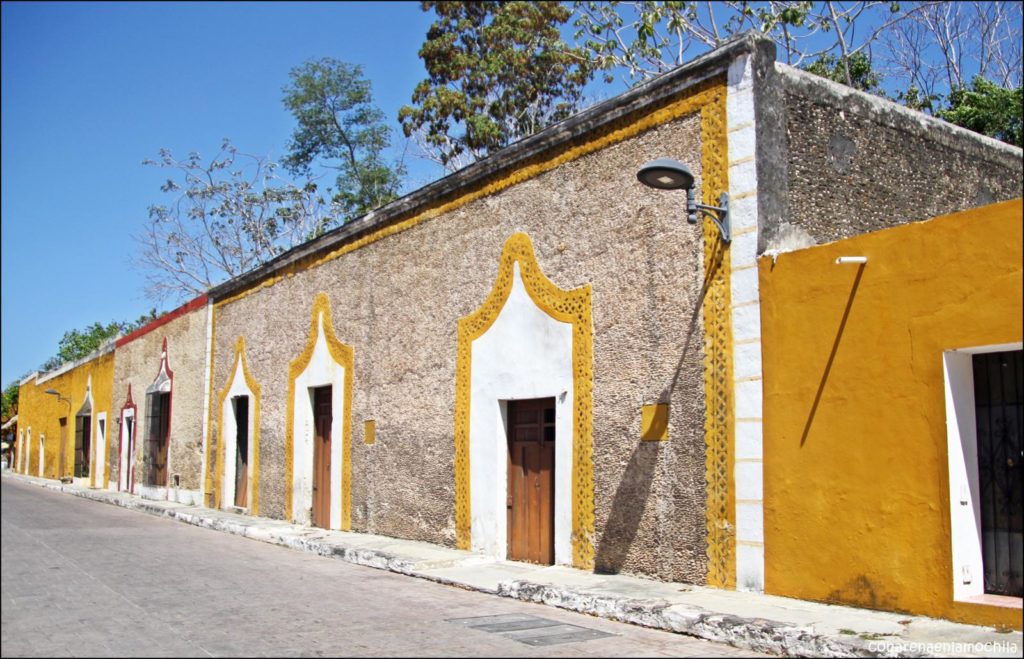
(410, 368)
(539, 358)
(159, 397)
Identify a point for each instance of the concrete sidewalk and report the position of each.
(763, 623)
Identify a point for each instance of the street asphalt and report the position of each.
(84, 579)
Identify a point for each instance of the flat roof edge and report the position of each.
(593, 118)
(890, 110)
(105, 347)
(191, 305)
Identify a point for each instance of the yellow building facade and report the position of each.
(67, 433)
(862, 456)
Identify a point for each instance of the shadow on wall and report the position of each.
(716, 262)
(832, 356)
(627, 508)
(630, 498)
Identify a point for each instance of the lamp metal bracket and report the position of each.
(718, 214)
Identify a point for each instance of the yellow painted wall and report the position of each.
(43, 411)
(856, 488)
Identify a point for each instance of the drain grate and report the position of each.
(531, 630)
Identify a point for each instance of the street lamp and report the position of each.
(668, 174)
(54, 392)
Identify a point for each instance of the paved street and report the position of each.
(82, 578)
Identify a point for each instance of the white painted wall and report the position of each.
(746, 327)
(176, 494)
(127, 445)
(99, 449)
(229, 435)
(964, 486)
(321, 371)
(525, 354)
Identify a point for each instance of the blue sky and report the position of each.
(89, 90)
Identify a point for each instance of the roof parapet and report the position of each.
(104, 348)
(644, 95)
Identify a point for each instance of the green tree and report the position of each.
(78, 343)
(856, 72)
(988, 109)
(498, 72)
(340, 128)
(9, 402)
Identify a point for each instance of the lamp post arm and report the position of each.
(718, 214)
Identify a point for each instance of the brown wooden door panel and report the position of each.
(546, 489)
(322, 417)
(531, 482)
(158, 426)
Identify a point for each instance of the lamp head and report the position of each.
(53, 392)
(666, 174)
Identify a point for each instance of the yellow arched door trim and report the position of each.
(342, 355)
(572, 307)
(254, 449)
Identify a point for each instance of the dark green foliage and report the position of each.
(76, 344)
(498, 71)
(915, 99)
(861, 75)
(9, 402)
(340, 128)
(988, 109)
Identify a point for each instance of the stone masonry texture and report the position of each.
(137, 363)
(397, 302)
(856, 163)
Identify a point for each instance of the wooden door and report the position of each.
(531, 480)
(83, 441)
(322, 457)
(241, 450)
(159, 421)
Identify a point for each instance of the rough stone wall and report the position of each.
(856, 163)
(397, 303)
(137, 363)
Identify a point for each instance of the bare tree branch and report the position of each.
(230, 215)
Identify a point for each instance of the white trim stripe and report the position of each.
(746, 327)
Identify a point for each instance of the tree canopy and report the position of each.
(988, 109)
(498, 72)
(340, 128)
(77, 343)
(9, 402)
